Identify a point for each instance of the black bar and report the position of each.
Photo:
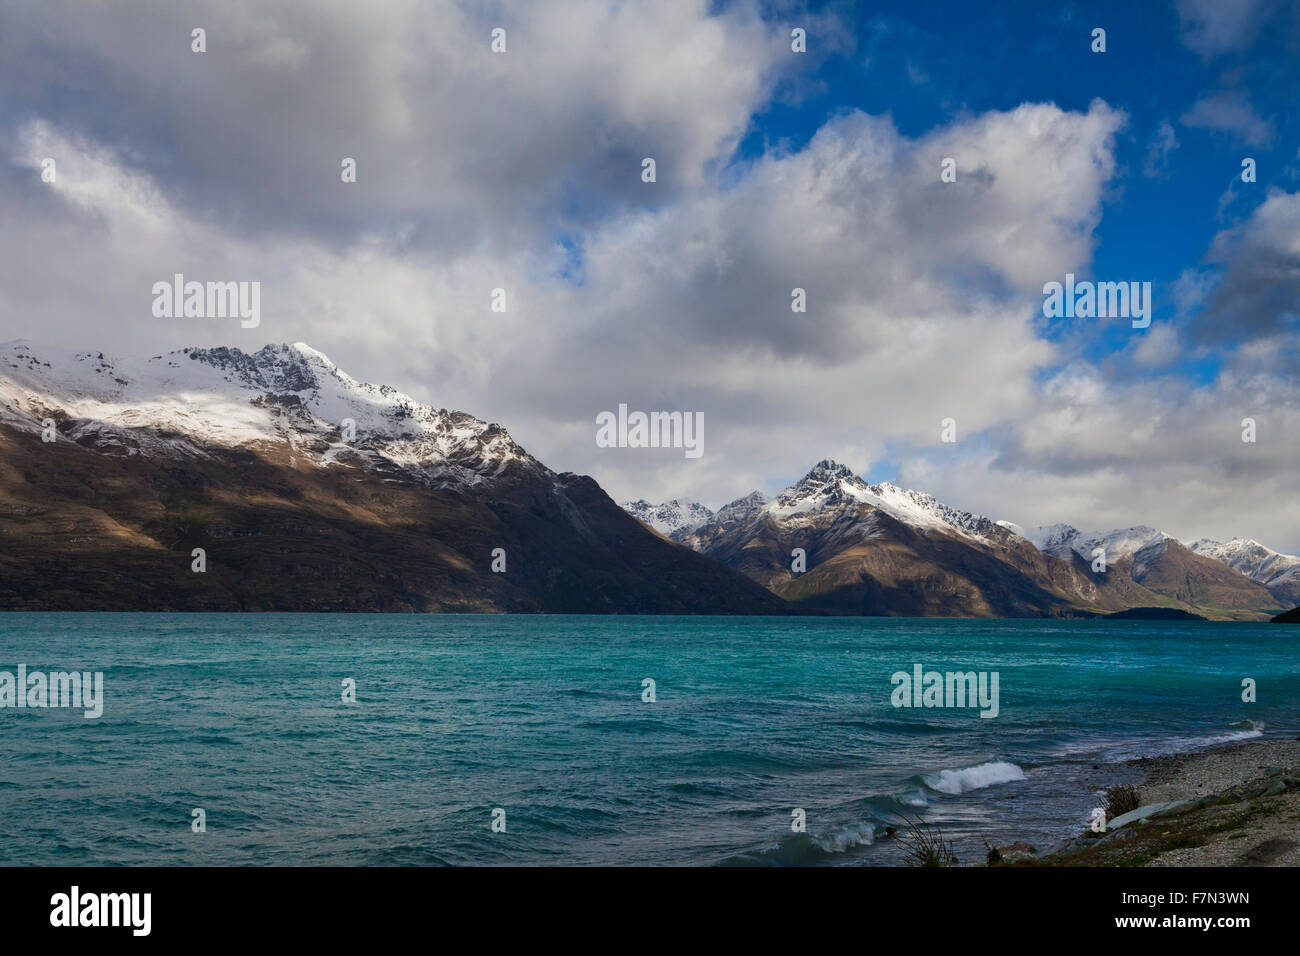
(973, 907)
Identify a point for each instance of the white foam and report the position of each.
(846, 838)
(974, 778)
(1178, 745)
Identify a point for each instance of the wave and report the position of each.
(1247, 730)
(973, 778)
(806, 849)
(879, 814)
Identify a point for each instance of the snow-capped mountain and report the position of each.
(830, 485)
(289, 397)
(673, 519)
(302, 488)
(1278, 572)
(307, 489)
(741, 509)
(1063, 540)
(886, 549)
(832, 542)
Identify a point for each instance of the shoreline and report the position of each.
(1233, 805)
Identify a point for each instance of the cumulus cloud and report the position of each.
(1099, 455)
(455, 144)
(521, 171)
(1102, 450)
(1255, 296)
(687, 305)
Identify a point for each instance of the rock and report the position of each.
(1263, 854)
(1017, 852)
(1149, 812)
(1117, 836)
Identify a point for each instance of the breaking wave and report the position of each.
(973, 778)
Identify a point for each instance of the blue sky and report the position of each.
(927, 64)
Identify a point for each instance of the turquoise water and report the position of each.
(543, 717)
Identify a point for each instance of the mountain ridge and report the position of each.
(243, 457)
(290, 474)
(881, 547)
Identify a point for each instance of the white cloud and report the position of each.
(1229, 111)
(923, 297)
(1163, 142)
(1215, 27)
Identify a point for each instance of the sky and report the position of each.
(775, 169)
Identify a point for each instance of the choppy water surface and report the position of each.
(242, 715)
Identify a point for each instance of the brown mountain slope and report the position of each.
(94, 527)
(884, 550)
(1196, 582)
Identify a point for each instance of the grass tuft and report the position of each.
(925, 845)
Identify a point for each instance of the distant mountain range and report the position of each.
(1280, 573)
(882, 549)
(306, 489)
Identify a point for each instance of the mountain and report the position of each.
(882, 549)
(1162, 565)
(1278, 572)
(308, 490)
(673, 519)
(286, 402)
(1064, 541)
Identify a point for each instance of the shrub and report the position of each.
(1121, 799)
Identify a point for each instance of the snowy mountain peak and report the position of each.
(1064, 540)
(826, 481)
(923, 509)
(1257, 561)
(828, 471)
(742, 507)
(281, 396)
(672, 518)
(830, 487)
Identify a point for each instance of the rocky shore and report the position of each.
(1231, 806)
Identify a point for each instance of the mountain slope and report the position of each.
(881, 549)
(1278, 572)
(878, 549)
(287, 402)
(1161, 565)
(244, 456)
